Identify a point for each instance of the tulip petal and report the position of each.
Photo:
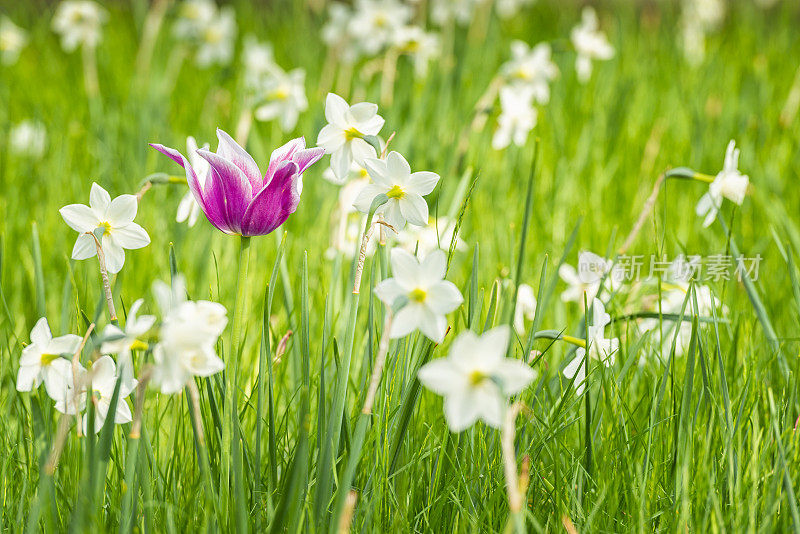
(213, 213)
(305, 158)
(233, 152)
(238, 193)
(274, 203)
(282, 154)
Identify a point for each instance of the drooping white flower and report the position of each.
(259, 64)
(374, 23)
(393, 177)
(729, 183)
(476, 378)
(525, 309)
(443, 12)
(343, 136)
(186, 346)
(590, 43)
(188, 209)
(284, 98)
(600, 348)
(336, 32)
(437, 234)
(193, 17)
(508, 8)
(588, 277)
(103, 379)
(115, 217)
(418, 44)
(79, 23)
(215, 46)
(41, 361)
(517, 116)
(28, 138)
(12, 40)
(122, 342)
(428, 297)
(531, 67)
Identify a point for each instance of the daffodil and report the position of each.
(419, 45)
(729, 183)
(375, 22)
(79, 23)
(123, 342)
(103, 378)
(590, 44)
(186, 346)
(476, 378)
(517, 116)
(422, 293)
(437, 234)
(284, 97)
(525, 308)
(42, 361)
(12, 40)
(444, 12)
(587, 278)
(532, 68)
(114, 217)
(393, 177)
(28, 138)
(600, 347)
(343, 136)
(215, 45)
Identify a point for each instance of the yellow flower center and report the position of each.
(213, 36)
(352, 133)
(281, 93)
(418, 295)
(476, 377)
(396, 192)
(106, 226)
(47, 359)
(138, 345)
(363, 173)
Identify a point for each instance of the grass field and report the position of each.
(698, 435)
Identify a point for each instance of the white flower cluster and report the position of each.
(79, 23)
(698, 18)
(182, 348)
(12, 40)
(371, 27)
(527, 75)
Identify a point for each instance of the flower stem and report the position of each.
(232, 367)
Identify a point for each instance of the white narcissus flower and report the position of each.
(420, 45)
(476, 378)
(393, 177)
(216, 40)
(336, 32)
(188, 209)
(79, 23)
(428, 296)
(103, 378)
(41, 361)
(374, 23)
(28, 138)
(285, 97)
(193, 17)
(12, 40)
(587, 278)
(525, 309)
(348, 223)
(590, 43)
(115, 217)
(343, 136)
(186, 346)
(729, 183)
(517, 117)
(600, 348)
(259, 64)
(122, 342)
(531, 67)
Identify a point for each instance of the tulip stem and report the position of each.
(232, 366)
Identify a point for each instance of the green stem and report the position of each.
(232, 368)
